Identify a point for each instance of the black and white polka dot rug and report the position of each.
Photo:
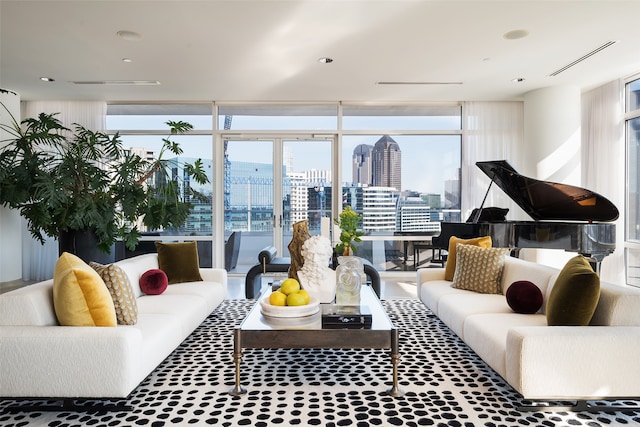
(446, 384)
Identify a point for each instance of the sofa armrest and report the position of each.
(427, 275)
(70, 361)
(218, 275)
(574, 362)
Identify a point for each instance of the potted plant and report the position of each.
(68, 182)
(348, 221)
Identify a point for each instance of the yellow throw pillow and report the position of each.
(80, 297)
(450, 266)
(479, 269)
(121, 292)
(179, 261)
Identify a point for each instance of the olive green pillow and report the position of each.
(179, 261)
(574, 296)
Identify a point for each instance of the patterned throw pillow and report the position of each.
(121, 292)
(450, 266)
(479, 269)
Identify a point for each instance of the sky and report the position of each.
(427, 160)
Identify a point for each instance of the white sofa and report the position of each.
(41, 359)
(543, 362)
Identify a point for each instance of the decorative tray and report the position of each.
(289, 311)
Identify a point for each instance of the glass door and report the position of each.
(270, 183)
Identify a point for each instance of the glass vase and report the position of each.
(349, 279)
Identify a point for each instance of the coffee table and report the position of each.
(259, 331)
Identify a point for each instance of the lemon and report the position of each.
(277, 298)
(296, 298)
(289, 286)
(305, 294)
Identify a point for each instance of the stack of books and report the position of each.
(346, 316)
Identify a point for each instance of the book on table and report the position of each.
(346, 316)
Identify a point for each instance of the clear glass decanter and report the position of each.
(349, 279)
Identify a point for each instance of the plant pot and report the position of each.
(84, 244)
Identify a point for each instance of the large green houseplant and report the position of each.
(78, 180)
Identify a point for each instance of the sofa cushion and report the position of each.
(524, 297)
(179, 261)
(574, 296)
(450, 266)
(153, 282)
(80, 297)
(455, 309)
(479, 269)
(124, 300)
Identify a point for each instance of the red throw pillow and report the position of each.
(153, 282)
(524, 297)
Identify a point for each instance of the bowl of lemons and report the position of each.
(289, 300)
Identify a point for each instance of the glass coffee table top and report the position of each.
(260, 331)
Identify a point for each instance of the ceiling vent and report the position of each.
(118, 82)
(417, 83)
(582, 58)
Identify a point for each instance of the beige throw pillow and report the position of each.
(121, 292)
(479, 269)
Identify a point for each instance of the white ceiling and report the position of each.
(264, 50)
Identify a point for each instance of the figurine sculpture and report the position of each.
(300, 235)
(316, 277)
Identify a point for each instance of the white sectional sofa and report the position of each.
(541, 362)
(41, 359)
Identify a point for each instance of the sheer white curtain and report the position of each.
(39, 260)
(603, 161)
(493, 131)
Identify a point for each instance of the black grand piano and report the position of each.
(565, 217)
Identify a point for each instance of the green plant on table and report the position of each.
(348, 221)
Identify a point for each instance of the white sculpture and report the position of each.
(316, 277)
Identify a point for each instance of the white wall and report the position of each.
(552, 147)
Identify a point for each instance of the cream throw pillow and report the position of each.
(121, 292)
(479, 269)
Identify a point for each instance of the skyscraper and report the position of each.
(387, 163)
(362, 165)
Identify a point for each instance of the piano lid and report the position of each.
(545, 200)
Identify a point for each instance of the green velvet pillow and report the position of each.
(179, 261)
(575, 294)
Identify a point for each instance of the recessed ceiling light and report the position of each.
(128, 35)
(127, 60)
(325, 60)
(516, 34)
(47, 79)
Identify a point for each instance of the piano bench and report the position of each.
(437, 255)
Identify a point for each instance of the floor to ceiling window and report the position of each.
(632, 234)
(397, 165)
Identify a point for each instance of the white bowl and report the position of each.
(289, 311)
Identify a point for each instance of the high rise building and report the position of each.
(387, 163)
(362, 167)
(379, 208)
